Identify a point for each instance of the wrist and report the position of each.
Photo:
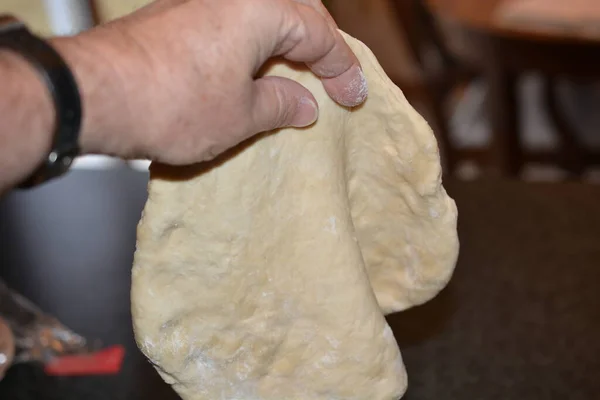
(102, 72)
(26, 89)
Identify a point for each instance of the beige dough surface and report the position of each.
(265, 275)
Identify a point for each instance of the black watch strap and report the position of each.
(64, 91)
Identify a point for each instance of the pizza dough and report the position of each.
(265, 274)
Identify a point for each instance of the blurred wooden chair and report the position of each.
(441, 76)
(96, 14)
(508, 46)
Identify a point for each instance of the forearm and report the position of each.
(27, 113)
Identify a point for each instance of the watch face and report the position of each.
(9, 23)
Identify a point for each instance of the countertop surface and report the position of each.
(519, 320)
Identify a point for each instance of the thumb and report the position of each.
(281, 102)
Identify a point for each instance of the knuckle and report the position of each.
(282, 108)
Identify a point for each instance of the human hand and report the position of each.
(188, 89)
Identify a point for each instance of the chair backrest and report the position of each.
(422, 33)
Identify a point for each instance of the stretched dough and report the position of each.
(258, 275)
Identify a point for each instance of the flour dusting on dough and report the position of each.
(147, 344)
(176, 340)
(333, 342)
(332, 225)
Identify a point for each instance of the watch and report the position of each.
(63, 89)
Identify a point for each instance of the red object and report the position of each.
(103, 362)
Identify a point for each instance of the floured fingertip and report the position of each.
(349, 89)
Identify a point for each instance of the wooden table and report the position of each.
(504, 53)
(519, 319)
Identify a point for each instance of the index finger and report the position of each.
(314, 41)
(321, 9)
